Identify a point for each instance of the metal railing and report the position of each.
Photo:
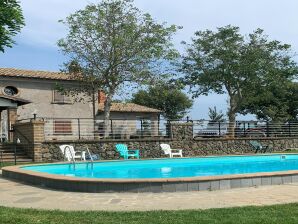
(1, 158)
(88, 129)
(207, 129)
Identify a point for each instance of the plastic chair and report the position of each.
(125, 153)
(69, 153)
(259, 147)
(169, 151)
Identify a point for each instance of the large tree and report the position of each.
(86, 87)
(225, 61)
(11, 22)
(278, 103)
(117, 45)
(173, 102)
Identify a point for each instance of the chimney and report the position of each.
(101, 97)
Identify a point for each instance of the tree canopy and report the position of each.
(226, 61)
(11, 22)
(173, 102)
(278, 103)
(215, 115)
(117, 45)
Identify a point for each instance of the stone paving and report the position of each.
(13, 194)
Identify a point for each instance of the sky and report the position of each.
(36, 46)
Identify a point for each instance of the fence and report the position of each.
(88, 129)
(207, 129)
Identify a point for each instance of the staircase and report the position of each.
(7, 154)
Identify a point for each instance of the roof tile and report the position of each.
(12, 72)
(129, 107)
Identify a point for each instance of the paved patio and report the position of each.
(13, 194)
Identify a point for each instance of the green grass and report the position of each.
(6, 164)
(254, 215)
(12, 164)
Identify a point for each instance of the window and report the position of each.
(143, 126)
(11, 91)
(62, 127)
(58, 97)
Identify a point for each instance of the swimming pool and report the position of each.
(173, 168)
(162, 175)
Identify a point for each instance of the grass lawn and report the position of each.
(11, 164)
(270, 214)
(5, 164)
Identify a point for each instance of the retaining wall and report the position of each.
(150, 148)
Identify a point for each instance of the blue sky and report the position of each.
(36, 45)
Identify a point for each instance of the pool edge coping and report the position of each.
(17, 169)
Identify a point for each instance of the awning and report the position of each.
(11, 102)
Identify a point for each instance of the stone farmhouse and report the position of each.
(26, 94)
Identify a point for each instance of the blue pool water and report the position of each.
(173, 168)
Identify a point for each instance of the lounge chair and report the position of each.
(125, 153)
(259, 147)
(69, 153)
(172, 152)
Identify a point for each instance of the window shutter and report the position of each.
(58, 97)
(62, 127)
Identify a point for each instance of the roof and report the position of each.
(18, 100)
(21, 73)
(128, 107)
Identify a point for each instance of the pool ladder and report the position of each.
(73, 161)
(91, 158)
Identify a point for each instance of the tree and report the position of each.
(117, 45)
(279, 103)
(228, 62)
(86, 87)
(11, 22)
(216, 116)
(293, 101)
(173, 102)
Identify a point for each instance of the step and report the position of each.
(12, 157)
(12, 154)
(11, 150)
(18, 161)
(6, 146)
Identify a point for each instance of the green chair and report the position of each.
(259, 147)
(125, 153)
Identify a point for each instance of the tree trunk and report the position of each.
(107, 107)
(94, 113)
(93, 105)
(232, 117)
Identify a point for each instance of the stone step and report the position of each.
(7, 154)
(12, 151)
(18, 161)
(12, 157)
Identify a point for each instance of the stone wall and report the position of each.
(181, 131)
(32, 136)
(150, 148)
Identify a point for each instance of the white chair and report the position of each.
(69, 153)
(168, 151)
